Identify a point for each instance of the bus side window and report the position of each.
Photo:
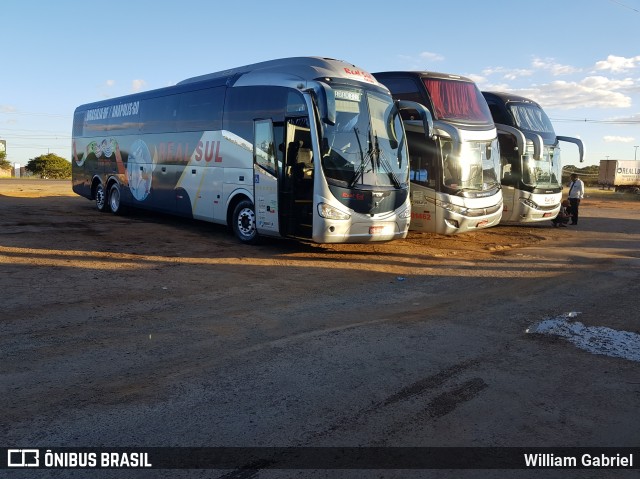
(264, 147)
(419, 171)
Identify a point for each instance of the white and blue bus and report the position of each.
(241, 148)
(531, 172)
(455, 186)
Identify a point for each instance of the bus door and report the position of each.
(265, 178)
(298, 177)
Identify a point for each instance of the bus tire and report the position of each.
(101, 198)
(115, 199)
(243, 222)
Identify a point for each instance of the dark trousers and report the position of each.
(575, 205)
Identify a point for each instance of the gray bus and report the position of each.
(305, 147)
(454, 172)
(531, 171)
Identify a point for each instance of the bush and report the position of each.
(49, 166)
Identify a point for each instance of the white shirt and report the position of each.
(576, 189)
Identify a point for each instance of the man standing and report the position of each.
(576, 193)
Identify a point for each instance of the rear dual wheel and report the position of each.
(101, 198)
(114, 199)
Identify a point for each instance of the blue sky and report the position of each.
(579, 59)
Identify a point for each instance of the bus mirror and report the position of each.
(577, 141)
(423, 113)
(453, 133)
(538, 144)
(521, 141)
(326, 103)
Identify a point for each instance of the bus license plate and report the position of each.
(376, 230)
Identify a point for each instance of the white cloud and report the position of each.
(479, 79)
(591, 92)
(507, 73)
(7, 109)
(618, 139)
(431, 57)
(137, 85)
(552, 67)
(627, 119)
(110, 83)
(617, 64)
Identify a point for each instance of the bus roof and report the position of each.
(510, 97)
(425, 74)
(305, 68)
(290, 71)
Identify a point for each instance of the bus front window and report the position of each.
(366, 147)
(475, 169)
(531, 118)
(546, 173)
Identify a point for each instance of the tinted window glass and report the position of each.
(201, 110)
(455, 100)
(404, 89)
(246, 104)
(159, 114)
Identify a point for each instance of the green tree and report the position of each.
(4, 163)
(49, 166)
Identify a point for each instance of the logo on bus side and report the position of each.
(209, 150)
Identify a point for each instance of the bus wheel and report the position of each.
(101, 198)
(244, 222)
(114, 199)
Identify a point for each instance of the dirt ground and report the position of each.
(149, 330)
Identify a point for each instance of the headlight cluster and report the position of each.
(453, 208)
(332, 213)
(405, 214)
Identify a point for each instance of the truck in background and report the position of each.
(623, 175)
(531, 174)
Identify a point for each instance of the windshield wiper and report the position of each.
(382, 160)
(364, 160)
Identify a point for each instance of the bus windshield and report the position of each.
(546, 173)
(366, 146)
(457, 101)
(476, 167)
(532, 118)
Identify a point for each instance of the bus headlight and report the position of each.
(460, 210)
(405, 214)
(332, 213)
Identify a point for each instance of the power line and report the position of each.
(2, 129)
(36, 137)
(25, 113)
(589, 120)
(625, 6)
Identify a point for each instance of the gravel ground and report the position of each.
(147, 330)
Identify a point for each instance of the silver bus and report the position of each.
(531, 171)
(454, 171)
(305, 147)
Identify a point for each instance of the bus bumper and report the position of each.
(455, 224)
(353, 231)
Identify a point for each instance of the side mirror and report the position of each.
(521, 141)
(423, 113)
(538, 144)
(326, 99)
(577, 142)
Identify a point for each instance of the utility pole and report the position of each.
(635, 153)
